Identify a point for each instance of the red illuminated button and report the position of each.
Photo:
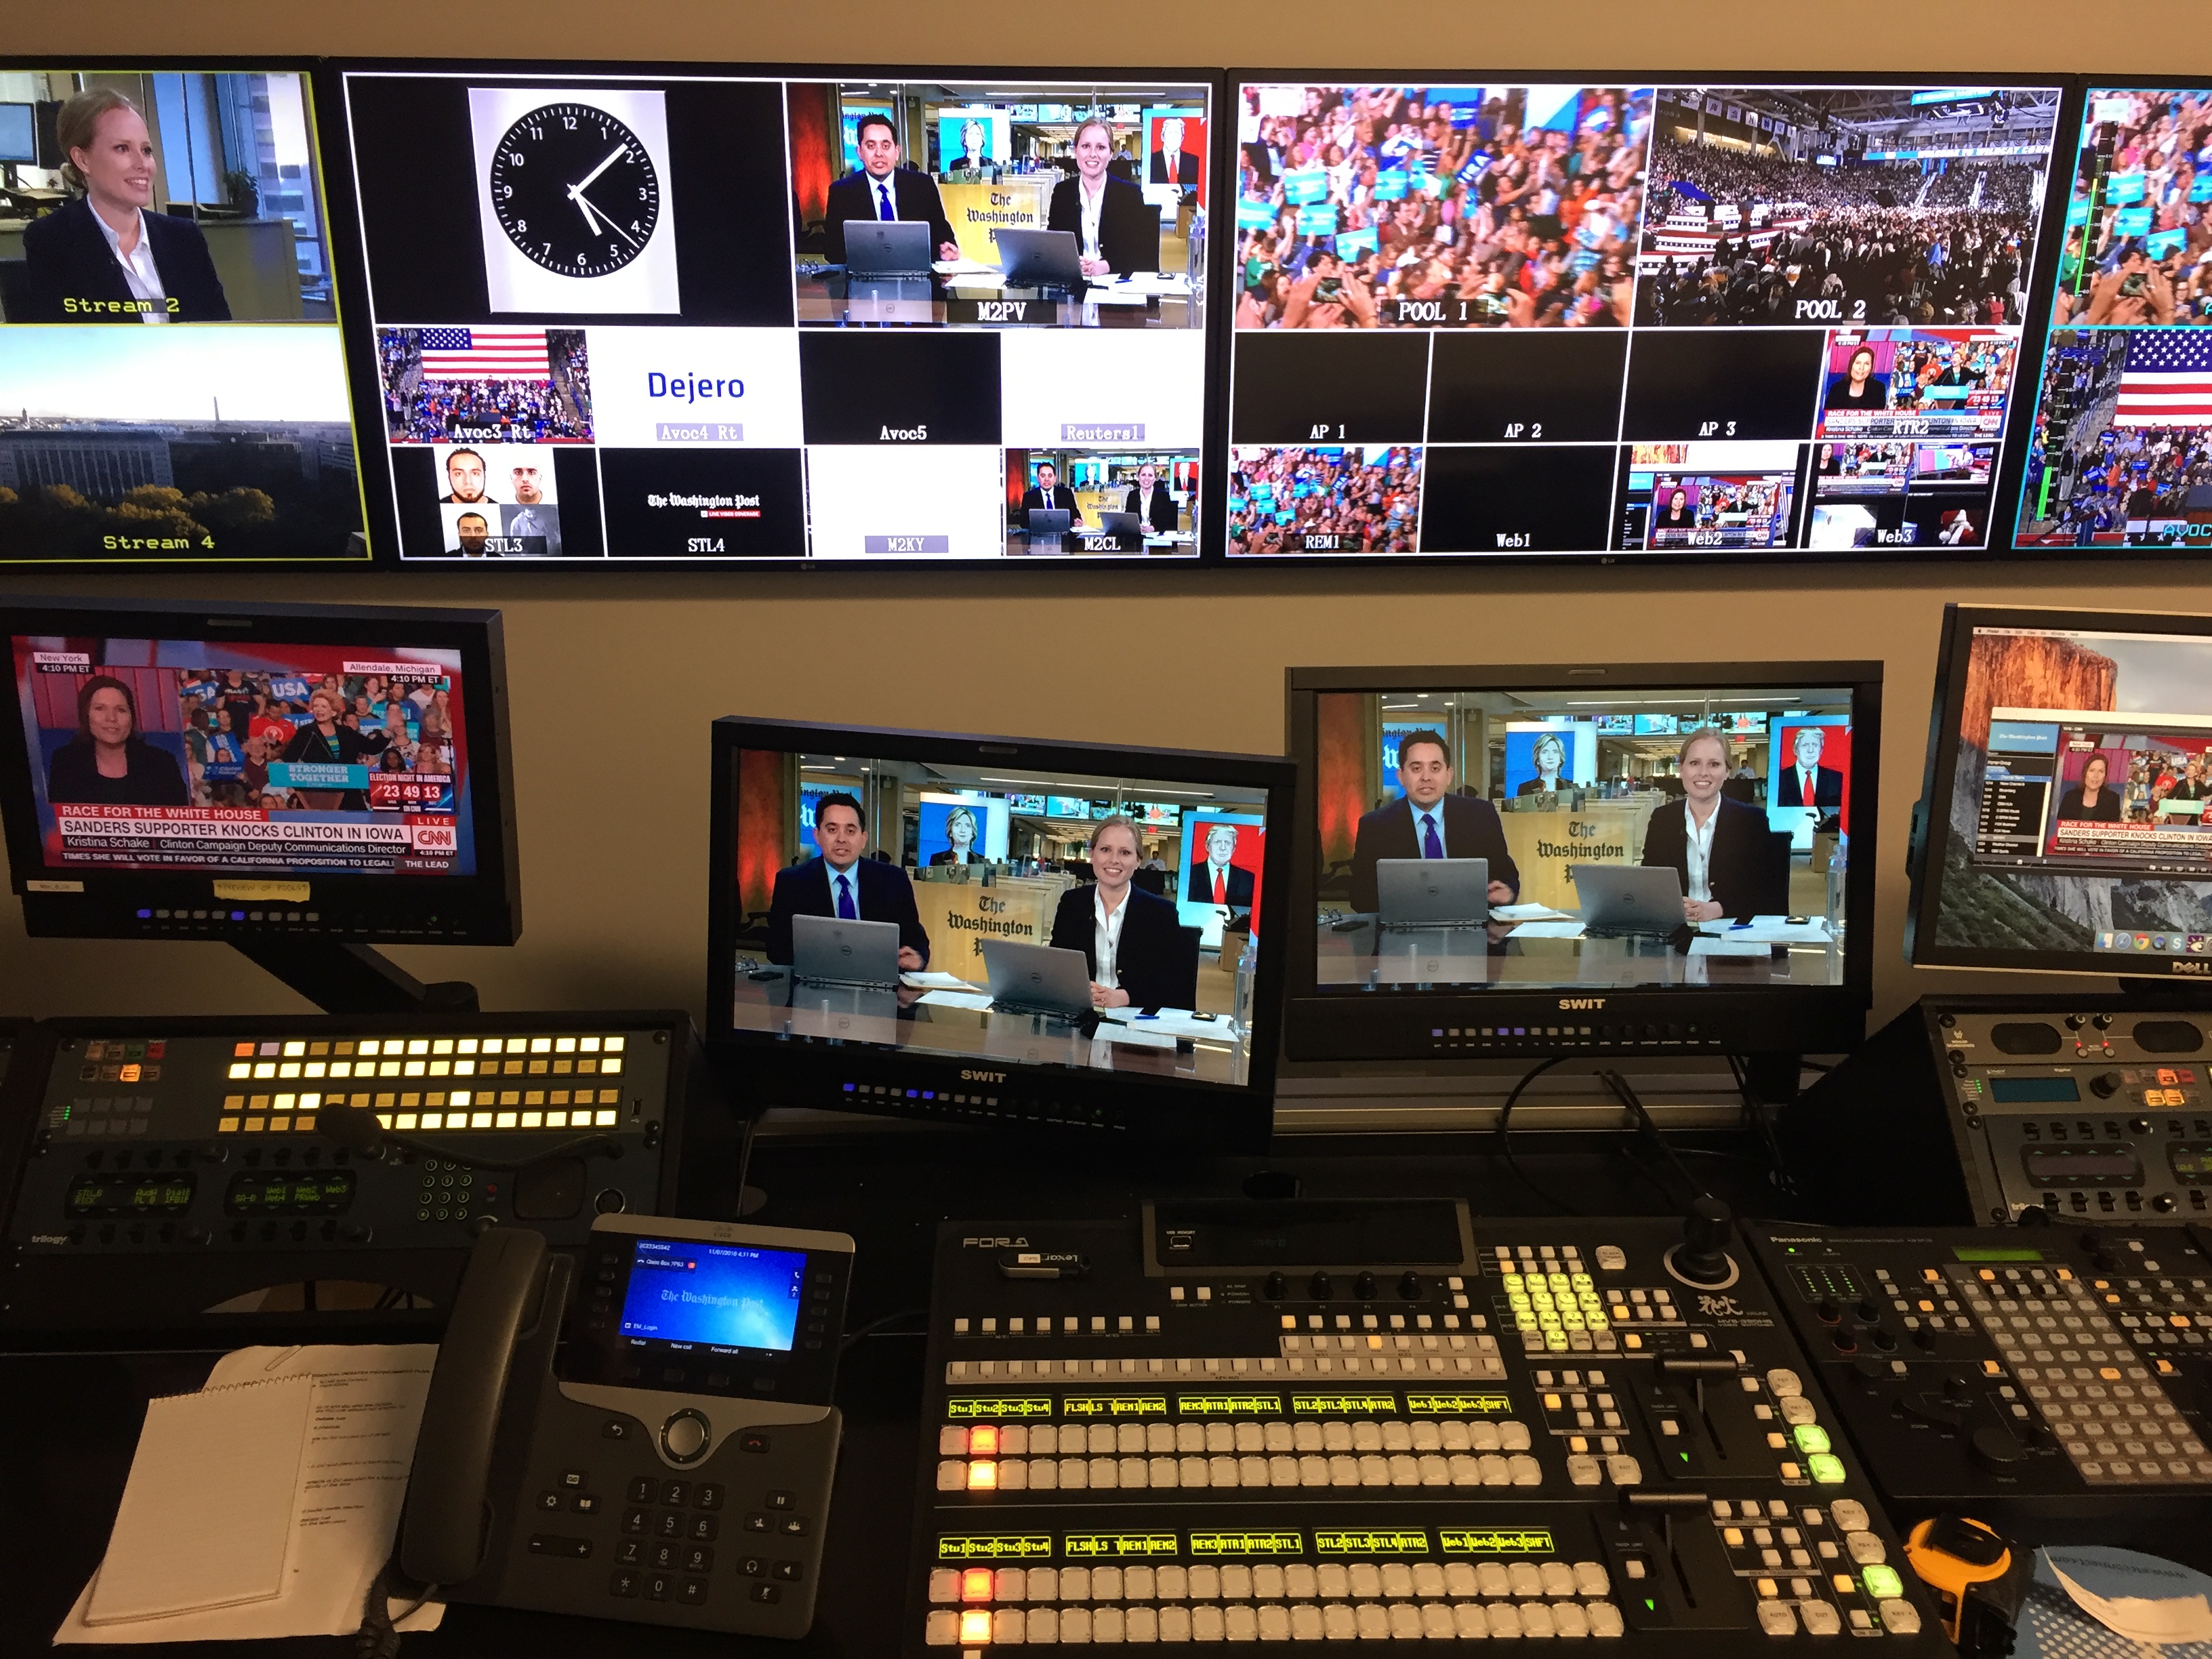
(984, 1440)
(975, 1584)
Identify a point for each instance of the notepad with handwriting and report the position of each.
(207, 1513)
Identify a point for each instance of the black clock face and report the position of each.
(575, 190)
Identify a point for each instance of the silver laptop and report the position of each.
(826, 951)
(887, 247)
(1039, 258)
(1119, 523)
(1036, 979)
(1432, 892)
(1628, 898)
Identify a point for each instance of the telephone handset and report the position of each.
(645, 1435)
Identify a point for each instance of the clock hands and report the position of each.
(592, 176)
(592, 218)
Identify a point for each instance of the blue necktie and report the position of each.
(1431, 847)
(883, 200)
(845, 910)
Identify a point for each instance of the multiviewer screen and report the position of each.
(1043, 917)
(1532, 838)
(2081, 809)
(192, 755)
(192, 200)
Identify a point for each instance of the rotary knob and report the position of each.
(1320, 1286)
(1275, 1288)
(1409, 1285)
(1363, 1287)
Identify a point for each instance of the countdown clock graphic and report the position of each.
(572, 189)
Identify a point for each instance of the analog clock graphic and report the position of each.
(575, 190)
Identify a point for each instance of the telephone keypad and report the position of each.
(698, 1558)
(643, 1489)
(635, 1523)
(708, 1495)
(664, 1555)
(630, 1553)
(703, 1528)
(694, 1593)
(622, 1583)
(659, 1587)
(675, 1493)
(669, 1525)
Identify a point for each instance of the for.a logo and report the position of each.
(1582, 1002)
(982, 1077)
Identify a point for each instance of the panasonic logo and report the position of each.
(982, 1077)
(1582, 1002)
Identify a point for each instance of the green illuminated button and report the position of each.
(1826, 1468)
(1810, 1438)
(1883, 1583)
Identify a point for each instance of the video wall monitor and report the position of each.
(694, 318)
(173, 771)
(190, 197)
(1495, 321)
(2121, 453)
(999, 929)
(1627, 859)
(2068, 805)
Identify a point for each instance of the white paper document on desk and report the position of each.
(308, 1447)
(1526, 913)
(1769, 929)
(1563, 927)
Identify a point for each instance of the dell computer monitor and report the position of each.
(1678, 859)
(2066, 819)
(624, 326)
(225, 436)
(992, 860)
(250, 772)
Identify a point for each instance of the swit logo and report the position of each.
(982, 1077)
(1582, 1002)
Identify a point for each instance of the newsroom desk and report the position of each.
(962, 1022)
(888, 1185)
(829, 296)
(1354, 951)
(256, 260)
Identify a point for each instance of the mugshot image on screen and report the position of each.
(1602, 270)
(714, 1296)
(193, 200)
(2079, 816)
(1051, 919)
(1524, 839)
(187, 756)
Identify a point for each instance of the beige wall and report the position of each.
(614, 677)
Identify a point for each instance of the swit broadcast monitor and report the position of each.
(2068, 810)
(192, 196)
(244, 772)
(1141, 994)
(2121, 453)
(1679, 859)
(1600, 316)
(625, 324)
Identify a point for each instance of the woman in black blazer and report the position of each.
(75, 274)
(1128, 230)
(1148, 498)
(108, 763)
(1733, 869)
(1144, 973)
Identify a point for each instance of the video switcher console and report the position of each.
(1307, 1423)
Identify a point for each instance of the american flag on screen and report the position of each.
(484, 353)
(2168, 379)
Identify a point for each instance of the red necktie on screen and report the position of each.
(1171, 170)
(1220, 886)
(1805, 789)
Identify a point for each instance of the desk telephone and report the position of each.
(643, 1435)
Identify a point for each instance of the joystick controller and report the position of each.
(1702, 1257)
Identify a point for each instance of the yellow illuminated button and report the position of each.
(233, 1103)
(241, 1069)
(608, 1119)
(975, 1624)
(984, 1440)
(983, 1477)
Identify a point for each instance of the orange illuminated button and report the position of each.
(975, 1584)
(975, 1626)
(2166, 1368)
(1990, 1368)
(982, 1477)
(984, 1440)
(241, 1051)
(129, 1074)
(2109, 1373)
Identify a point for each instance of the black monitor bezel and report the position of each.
(764, 1071)
(1323, 1026)
(361, 331)
(485, 909)
(1931, 819)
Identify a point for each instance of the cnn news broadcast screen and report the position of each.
(187, 756)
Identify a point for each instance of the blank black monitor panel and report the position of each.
(995, 858)
(1677, 859)
(1491, 320)
(623, 325)
(225, 435)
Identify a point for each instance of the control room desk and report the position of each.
(77, 1417)
(1353, 951)
(836, 299)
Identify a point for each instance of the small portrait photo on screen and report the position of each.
(955, 829)
(1175, 152)
(1809, 775)
(1546, 760)
(1222, 858)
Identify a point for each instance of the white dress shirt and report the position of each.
(1423, 817)
(1107, 941)
(1091, 205)
(1698, 849)
(139, 270)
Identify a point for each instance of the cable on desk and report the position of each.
(877, 1324)
(379, 1635)
(1505, 1134)
(1763, 1120)
(1627, 1096)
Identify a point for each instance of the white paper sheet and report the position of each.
(1706, 945)
(1562, 929)
(1526, 913)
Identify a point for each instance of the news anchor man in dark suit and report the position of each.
(1215, 879)
(843, 882)
(1828, 782)
(1049, 492)
(1171, 163)
(1128, 936)
(884, 190)
(1430, 823)
(1116, 230)
(107, 256)
(1149, 499)
(1720, 870)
